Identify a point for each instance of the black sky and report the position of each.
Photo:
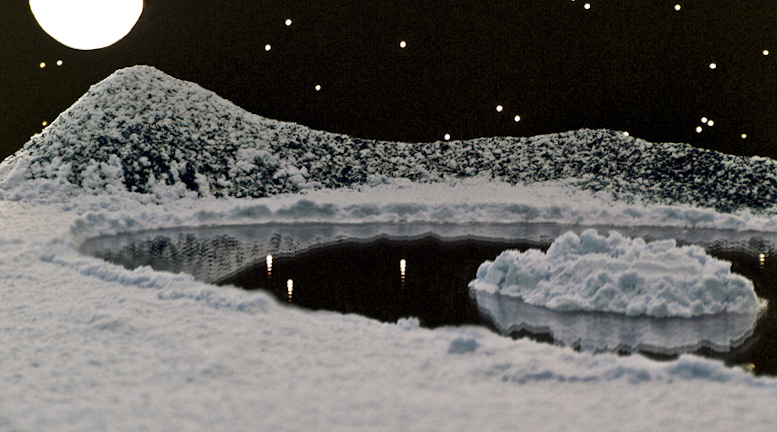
(633, 65)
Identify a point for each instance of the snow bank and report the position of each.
(615, 274)
(142, 131)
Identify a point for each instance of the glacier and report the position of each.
(88, 345)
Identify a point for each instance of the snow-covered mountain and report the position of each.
(140, 130)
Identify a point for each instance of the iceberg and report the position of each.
(591, 272)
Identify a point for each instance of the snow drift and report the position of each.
(615, 274)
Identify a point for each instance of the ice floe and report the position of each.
(616, 274)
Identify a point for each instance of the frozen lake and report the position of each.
(393, 271)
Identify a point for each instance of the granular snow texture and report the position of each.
(140, 129)
(616, 274)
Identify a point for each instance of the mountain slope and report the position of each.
(140, 130)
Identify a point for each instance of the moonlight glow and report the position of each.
(87, 24)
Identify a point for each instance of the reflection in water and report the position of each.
(269, 266)
(290, 288)
(359, 277)
(595, 331)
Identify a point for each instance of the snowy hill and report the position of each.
(143, 131)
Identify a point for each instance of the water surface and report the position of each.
(392, 273)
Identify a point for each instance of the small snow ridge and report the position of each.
(636, 371)
(168, 286)
(409, 323)
(617, 274)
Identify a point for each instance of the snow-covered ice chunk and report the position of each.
(616, 274)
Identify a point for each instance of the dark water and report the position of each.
(367, 278)
(761, 349)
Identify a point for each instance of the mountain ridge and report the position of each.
(140, 129)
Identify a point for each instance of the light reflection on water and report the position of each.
(362, 277)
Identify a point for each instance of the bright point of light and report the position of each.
(625, 133)
(402, 266)
(42, 65)
(447, 137)
(698, 129)
(711, 123)
(288, 22)
(704, 119)
(318, 87)
(713, 66)
(59, 62)
(766, 52)
(744, 136)
(87, 24)
(677, 7)
(587, 6)
(267, 47)
(402, 44)
(269, 262)
(762, 258)
(517, 118)
(499, 108)
(45, 123)
(290, 288)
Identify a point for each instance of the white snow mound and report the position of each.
(621, 275)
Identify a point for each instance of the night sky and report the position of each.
(416, 70)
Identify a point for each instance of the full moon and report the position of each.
(87, 24)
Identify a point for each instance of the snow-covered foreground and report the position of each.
(87, 345)
(91, 346)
